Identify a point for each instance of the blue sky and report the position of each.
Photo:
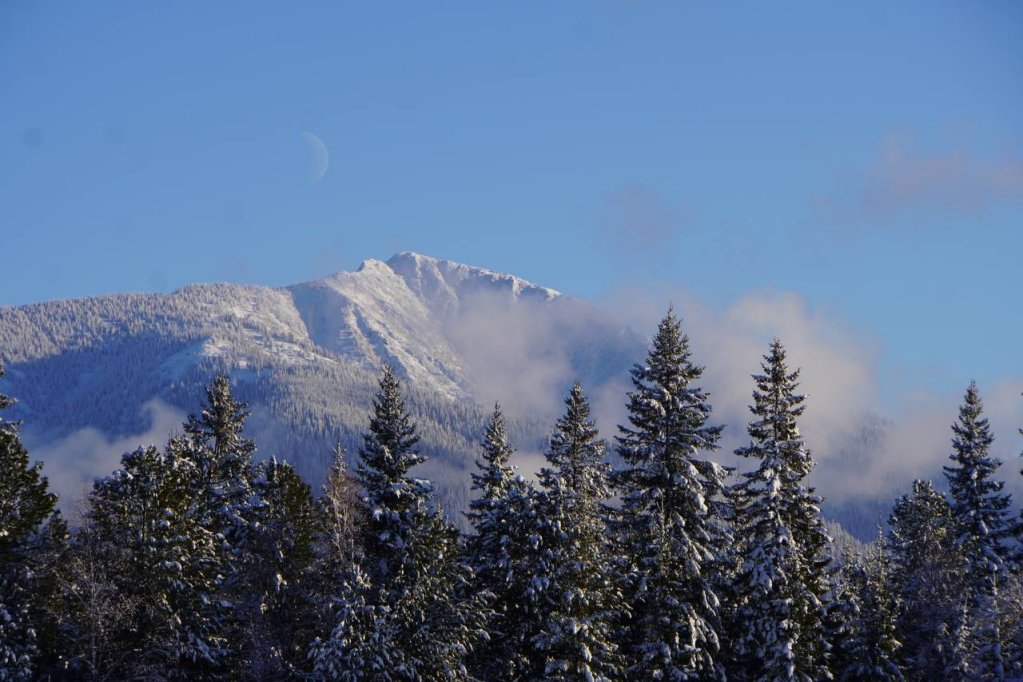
(868, 157)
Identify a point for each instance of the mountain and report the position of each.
(94, 376)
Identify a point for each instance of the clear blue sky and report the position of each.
(868, 156)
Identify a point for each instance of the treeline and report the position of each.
(195, 562)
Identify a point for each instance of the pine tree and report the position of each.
(280, 619)
(783, 577)
(672, 516)
(361, 643)
(984, 526)
(927, 576)
(222, 464)
(503, 516)
(416, 586)
(871, 646)
(224, 502)
(164, 562)
(25, 505)
(577, 599)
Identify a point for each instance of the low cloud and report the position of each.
(72, 463)
(903, 180)
(860, 454)
(527, 353)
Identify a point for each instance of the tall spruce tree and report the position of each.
(783, 578)
(503, 516)
(164, 563)
(985, 530)
(280, 618)
(672, 516)
(871, 644)
(927, 568)
(416, 591)
(578, 601)
(222, 465)
(25, 506)
(224, 501)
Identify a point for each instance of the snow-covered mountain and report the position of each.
(306, 357)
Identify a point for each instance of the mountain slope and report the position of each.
(306, 357)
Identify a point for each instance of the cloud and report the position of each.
(838, 364)
(638, 224)
(860, 454)
(904, 181)
(72, 463)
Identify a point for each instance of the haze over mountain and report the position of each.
(96, 376)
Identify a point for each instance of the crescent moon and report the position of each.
(321, 160)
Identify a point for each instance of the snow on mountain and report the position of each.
(306, 357)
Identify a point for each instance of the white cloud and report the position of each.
(72, 463)
(904, 180)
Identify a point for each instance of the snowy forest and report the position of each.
(632, 556)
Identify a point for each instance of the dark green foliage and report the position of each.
(280, 601)
(166, 565)
(500, 552)
(672, 517)
(870, 648)
(576, 598)
(416, 593)
(780, 592)
(927, 573)
(985, 528)
(25, 505)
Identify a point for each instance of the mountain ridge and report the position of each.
(306, 356)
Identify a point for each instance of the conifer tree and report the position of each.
(985, 528)
(222, 464)
(927, 575)
(343, 519)
(871, 645)
(672, 515)
(503, 516)
(25, 505)
(783, 577)
(224, 502)
(416, 586)
(280, 618)
(577, 599)
(141, 519)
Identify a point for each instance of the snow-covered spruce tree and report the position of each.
(577, 599)
(223, 499)
(419, 590)
(927, 573)
(25, 505)
(985, 528)
(360, 645)
(503, 516)
(164, 563)
(671, 519)
(280, 621)
(870, 648)
(783, 578)
(221, 459)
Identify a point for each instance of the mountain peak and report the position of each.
(434, 277)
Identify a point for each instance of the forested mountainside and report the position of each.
(305, 357)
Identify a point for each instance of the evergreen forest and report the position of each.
(633, 555)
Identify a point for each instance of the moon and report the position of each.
(321, 158)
